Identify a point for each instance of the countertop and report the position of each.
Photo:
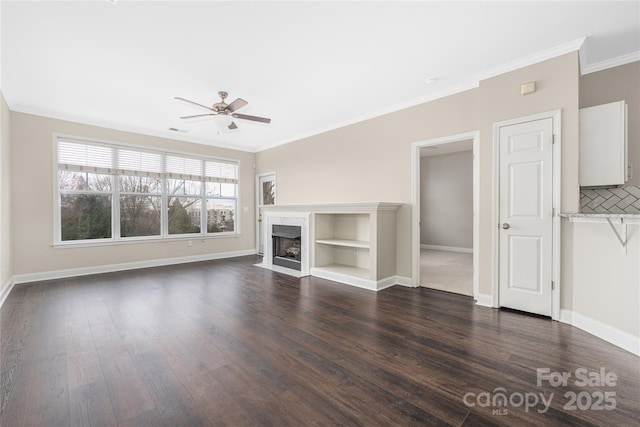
(600, 215)
(611, 218)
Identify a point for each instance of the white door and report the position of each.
(266, 196)
(526, 216)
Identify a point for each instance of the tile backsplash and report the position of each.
(610, 200)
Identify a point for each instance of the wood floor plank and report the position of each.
(19, 346)
(83, 363)
(208, 395)
(90, 405)
(128, 394)
(224, 343)
(48, 395)
(173, 404)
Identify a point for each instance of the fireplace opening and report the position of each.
(287, 250)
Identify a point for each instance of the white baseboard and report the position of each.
(372, 285)
(6, 289)
(447, 248)
(404, 281)
(484, 300)
(393, 280)
(566, 316)
(84, 271)
(344, 278)
(615, 336)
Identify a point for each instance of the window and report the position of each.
(109, 192)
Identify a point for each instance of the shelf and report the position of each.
(341, 269)
(345, 243)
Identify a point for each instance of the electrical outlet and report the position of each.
(189, 243)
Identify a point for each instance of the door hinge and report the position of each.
(553, 212)
(553, 285)
(553, 138)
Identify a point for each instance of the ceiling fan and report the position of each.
(223, 109)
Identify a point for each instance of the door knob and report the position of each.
(505, 226)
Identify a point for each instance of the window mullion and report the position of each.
(115, 194)
(203, 201)
(164, 199)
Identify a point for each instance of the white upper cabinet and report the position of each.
(603, 145)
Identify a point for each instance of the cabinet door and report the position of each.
(603, 148)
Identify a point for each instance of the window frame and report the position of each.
(116, 238)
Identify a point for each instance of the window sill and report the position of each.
(132, 241)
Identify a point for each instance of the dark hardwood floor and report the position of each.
(226, 343)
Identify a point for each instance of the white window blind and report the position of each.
(102, 158)
(221, 172)
(83, 157)
(133, 162)
(178, 167)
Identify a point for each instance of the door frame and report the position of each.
(275, 201)
(415, 196)
(556, 116)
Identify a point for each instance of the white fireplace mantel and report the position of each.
(272, 217)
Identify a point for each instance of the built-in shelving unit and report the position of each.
(356, 244)
(343, 244)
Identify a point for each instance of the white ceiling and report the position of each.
(309, 66)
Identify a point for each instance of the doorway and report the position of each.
(446, 217)
(444, 255)
(265, 195)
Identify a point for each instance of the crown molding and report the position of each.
(554, 52)
(609, 63)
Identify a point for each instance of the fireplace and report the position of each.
(286, 242)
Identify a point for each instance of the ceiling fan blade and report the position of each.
(253, 118)
(193, 103)
(199, 115)
(237, 104)
(233, 126)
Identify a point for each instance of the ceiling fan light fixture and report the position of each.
(225, 123)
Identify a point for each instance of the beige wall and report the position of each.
(5, 195)
(446, 200)
(371, 160)
(617, 84)
(607, 282)
(32, 208)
